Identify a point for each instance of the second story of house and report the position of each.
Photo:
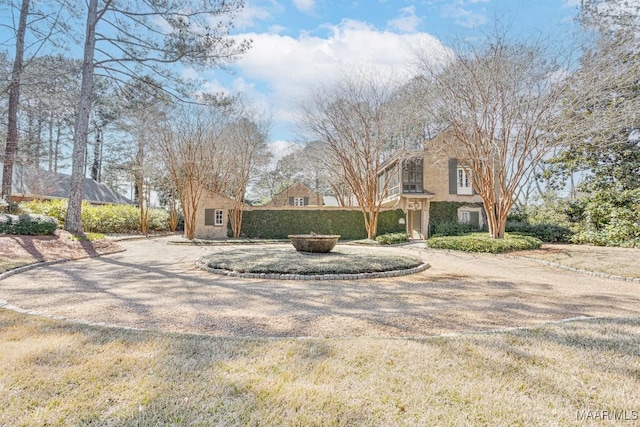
(431, 175)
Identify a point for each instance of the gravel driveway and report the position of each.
(154, 285)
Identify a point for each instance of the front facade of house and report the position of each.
(428, 177)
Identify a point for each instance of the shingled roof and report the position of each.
(31, 183)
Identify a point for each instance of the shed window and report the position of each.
(214, 217)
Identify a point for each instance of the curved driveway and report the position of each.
(154, 285)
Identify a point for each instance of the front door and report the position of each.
(416, 224)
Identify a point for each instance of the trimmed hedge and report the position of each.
(443, 219)
(392, 238)
(28, 224)
(349, 224)
(481, 242)
(544, 232)
(104, 218)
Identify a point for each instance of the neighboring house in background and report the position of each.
(33, 184)
(429, 176)
(297, 194)
(212, 216)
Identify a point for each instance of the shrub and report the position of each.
(608, 219)
(104, 218)
(452, 228)
(392, 238)
(349, 224)
(28, 224)
(544, 232)
(481, 242)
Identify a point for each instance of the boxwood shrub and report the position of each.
(392, 238)
(349, 224)
(481, 242)
(28, 224)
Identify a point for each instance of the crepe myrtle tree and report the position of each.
(127, 39)
(498, 101)
(351, 119)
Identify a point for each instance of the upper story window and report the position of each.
(412, 176)
(464, 182)
(298, 201)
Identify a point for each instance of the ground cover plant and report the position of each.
(60, 373)
(481, 242)
(287, 260)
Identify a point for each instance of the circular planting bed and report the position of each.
(287, 263)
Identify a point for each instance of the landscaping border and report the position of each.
(281, 276)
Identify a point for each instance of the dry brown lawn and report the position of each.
(616, 261)
(59, 373)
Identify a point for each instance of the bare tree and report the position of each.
(497, 102)
(351, 118)
(127, 39)
(245, 142)
(190, 147)
(51, 23)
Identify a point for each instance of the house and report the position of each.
(427, 177)
(297, 194)
(36, 184)
(212, 216)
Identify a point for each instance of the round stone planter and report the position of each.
(318, 243)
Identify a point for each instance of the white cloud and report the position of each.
(249, 16)
(305, 6)
(463, 15)
(279, 71)
(280, 148)
(407, 21)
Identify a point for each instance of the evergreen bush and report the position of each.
(28, 224)
(103, 218)
(482, 242)
(349, 224)
(392, 238)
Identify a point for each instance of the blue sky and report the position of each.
(298, 44)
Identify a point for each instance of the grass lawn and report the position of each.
(616, 261)
(58, 373)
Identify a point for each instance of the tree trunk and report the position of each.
(14, 102)
(97, 150)
(73, 219)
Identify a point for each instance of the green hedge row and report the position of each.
(104, 218)
(29, 224)
(545, 232)
(349, 224)
(482, 242)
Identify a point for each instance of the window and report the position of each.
(412, 172)
(214, 217)
(464, 182)
(298, 201)
(464, 217)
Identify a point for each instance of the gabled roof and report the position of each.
(40, 184)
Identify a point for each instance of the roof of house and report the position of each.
(41, 184)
